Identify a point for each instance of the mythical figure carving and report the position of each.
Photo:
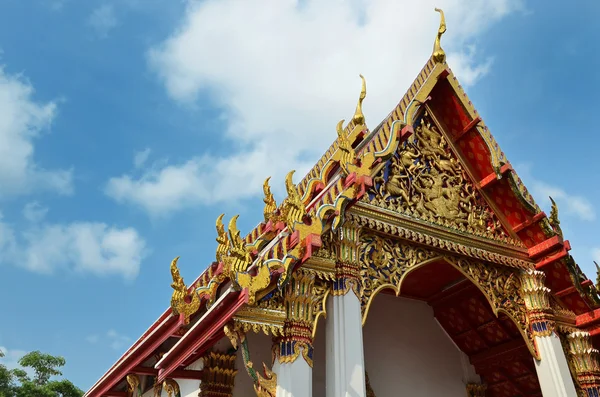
(424, 180)
(179, 300)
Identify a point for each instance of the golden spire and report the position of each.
(438, 54)
(359, 117)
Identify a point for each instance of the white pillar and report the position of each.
(552, 368)
(294, 379)
(345, 357)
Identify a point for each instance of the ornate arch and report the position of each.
(386, 262)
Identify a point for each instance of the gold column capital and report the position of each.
(535, 292)
(585, 360)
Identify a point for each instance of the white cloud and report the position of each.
(85, 247)
(117, 341)
(596, 255)
(569, 203)
(93, 339)
(140, 158)
(285, 73)
(22, 120)
(11, 357)
(34, 212)
(103, 19)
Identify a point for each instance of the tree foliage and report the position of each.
(18, 383)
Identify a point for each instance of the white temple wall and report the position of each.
(408, 353)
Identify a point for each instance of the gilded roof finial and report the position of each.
(438, 54)
(269, 200)
(554, 222)
(597, 276)
(359, 117)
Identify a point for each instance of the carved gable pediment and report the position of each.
(425, 181)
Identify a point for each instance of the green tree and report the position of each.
(18, 383)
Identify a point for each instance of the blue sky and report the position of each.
(127, 126)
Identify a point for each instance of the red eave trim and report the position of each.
(587, 319)
(136, 355)
(195, 339)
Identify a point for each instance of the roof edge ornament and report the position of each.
(439, 56)
(359, 117)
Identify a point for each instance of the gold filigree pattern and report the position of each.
(425, 181)
(385, 263)
(374, 219)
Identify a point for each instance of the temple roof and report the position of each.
(249, 269)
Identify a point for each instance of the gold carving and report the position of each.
(269, 200)
(385, 263)
(293, 209)
(438, 53)
(264, 386)
(476, 390)
(218, 375)
(347, 155)
(535, 293)
(222, 239)
(179, 299)
(359, 117)
(425, 181)
(134, 389)
(238, 259)
(391, 223)
(172, 388)
(584, 360)
(554, 222)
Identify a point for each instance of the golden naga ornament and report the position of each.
(238, 259)
(554, 221)
(438, 53)
(222, 239)
(179, 299)
(269, 200)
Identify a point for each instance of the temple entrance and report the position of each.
(441, 333)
